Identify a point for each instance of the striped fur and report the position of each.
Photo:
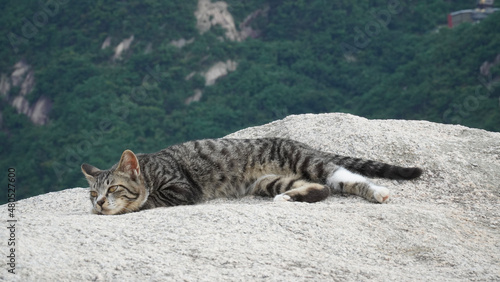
(196, 171)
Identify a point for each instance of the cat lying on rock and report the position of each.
(196, 171)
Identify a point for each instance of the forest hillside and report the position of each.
(82, 81)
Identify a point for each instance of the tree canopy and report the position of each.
(378, 59)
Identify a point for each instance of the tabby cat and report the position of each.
(196, 171)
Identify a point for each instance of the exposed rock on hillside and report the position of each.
(246, 29)
(216, 71)
(196, 97)
(181, 42)
(122, 47)
(106, 43)
(211, 14)
(23, 78)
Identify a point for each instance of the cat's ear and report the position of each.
(129, 164)
(90, 172)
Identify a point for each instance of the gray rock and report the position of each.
(443, 226)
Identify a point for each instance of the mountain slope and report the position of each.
(114, 75)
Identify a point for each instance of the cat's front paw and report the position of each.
(282, 198)
(381, 194)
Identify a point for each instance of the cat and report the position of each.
(197, 171)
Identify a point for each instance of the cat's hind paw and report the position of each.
(282, 198)
(381, 194)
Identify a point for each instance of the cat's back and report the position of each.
(214, 152)
(232, 153)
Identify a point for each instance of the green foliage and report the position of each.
(410, 67)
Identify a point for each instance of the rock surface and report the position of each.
(218, 70)
(209, 14)
(443, 226)
(122, 47)
(23, 77)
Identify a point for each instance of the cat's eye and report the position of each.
(93, 194)
(112, 189)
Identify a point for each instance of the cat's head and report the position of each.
(118, 190)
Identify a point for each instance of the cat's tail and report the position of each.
(371, 168)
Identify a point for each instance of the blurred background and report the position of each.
(82, 81)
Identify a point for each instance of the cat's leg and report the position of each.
(344, 181)
(289, 188)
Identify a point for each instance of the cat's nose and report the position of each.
(101, 202)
